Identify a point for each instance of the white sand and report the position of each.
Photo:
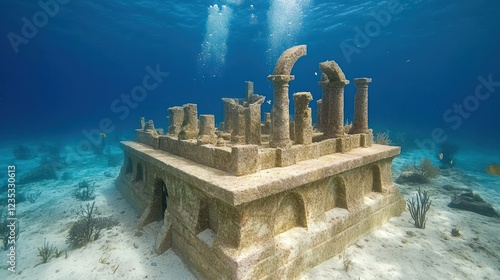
(396, 250)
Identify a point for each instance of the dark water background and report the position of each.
(424, 57)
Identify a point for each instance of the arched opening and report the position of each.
(128, 166)
(207, 216)
(160, 200)
(139, 173)
(339, 193)
(376, 179)
(290, 213)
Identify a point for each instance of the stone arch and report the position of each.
(339, 192)
(129, 167)
(139, 173)
(376, 179)
(159, 201)
(291, 213)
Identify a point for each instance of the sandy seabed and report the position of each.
(397, 250)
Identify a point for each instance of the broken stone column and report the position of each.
(252, 129)
(249, 90)
(229, 104)
(325, 103)
(207, 130)
(360, 123)
(280, 130)
(334, 125)
(238, 134)
(176, 118)
(267, 124)
(190, 123)
(319, 105)
(303, 118)
(143, 123)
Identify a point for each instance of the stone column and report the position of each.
(319, 105)
(303, 118)
(249, 90)
(280, 130)
(190, 123)
(252, 129)
(336, 114)
(229, 104)
(207, 130)
(325, 103)
(176, 118)
(360, 123)
(238, 134)
(267, 123)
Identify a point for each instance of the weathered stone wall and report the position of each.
(261, 227)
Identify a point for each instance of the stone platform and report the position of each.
(273, 224)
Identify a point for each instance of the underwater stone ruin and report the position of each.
(268, 200)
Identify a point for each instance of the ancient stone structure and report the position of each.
(252, 201)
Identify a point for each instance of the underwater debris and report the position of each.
(472, 202)
(43, 172)
(22, 152)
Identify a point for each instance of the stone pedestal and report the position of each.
(360, 123)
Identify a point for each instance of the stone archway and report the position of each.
(339, 193)
(290, 213)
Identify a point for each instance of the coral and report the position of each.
(85, 191)
(87, 227)
(418, 174)
(45, 252)
(383, 138)
(33, 196)
(418, 208)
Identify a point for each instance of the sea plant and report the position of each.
(33, 196)
(87, 227)
(45, 252)
(383, 138)
(85, 191)
(418, 207)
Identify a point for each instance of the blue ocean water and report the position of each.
(62, 75)
(72, 69)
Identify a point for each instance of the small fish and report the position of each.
(493, 170)
(408, 61)
(440, 156)
(315, 73)
(268, 102)
(103, 135)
